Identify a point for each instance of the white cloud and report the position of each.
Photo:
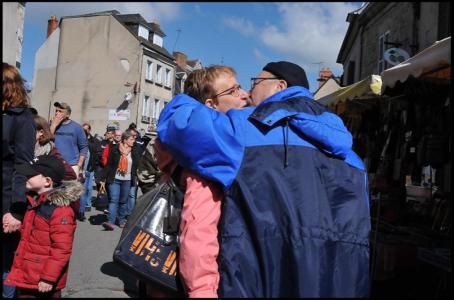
(41, 11)
(310, 32)
(245, 27)
(304, 33)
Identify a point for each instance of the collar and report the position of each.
(286, 103)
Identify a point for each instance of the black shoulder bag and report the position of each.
(148, 245)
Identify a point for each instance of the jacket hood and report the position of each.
(17, 110)
(66, 194)
(296, 107)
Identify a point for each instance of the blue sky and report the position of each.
(245, 36)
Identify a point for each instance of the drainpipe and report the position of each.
(139, 90)
(416, 16)
(361, 52)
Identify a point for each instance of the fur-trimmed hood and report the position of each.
(66, 193)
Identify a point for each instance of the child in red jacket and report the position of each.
(40, 266)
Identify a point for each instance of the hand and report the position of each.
(56, 120)
(44, 287)
(10, 223)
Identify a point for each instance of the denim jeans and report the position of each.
(131, 199)
(8, 290)
(118, 193)
(85, 199)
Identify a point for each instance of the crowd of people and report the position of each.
(276, 200)
(50, 168)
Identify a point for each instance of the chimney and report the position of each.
(325, 74)
(181, 59)
(155, 24)
(52, 24)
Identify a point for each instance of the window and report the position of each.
(146, 106)
(158, 74)
(156, 111)
(168, 80)
(143, 32)
(157, 40)
(382, 47)
(149, 74)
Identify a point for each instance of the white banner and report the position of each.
(121, 115)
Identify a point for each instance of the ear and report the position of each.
(49, 182)
(210, 103)
(282, 84)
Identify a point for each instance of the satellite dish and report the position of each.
(395, 56)
(128, 96)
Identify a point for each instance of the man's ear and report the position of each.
(282, 84)
(210, 103)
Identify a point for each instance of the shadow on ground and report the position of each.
(97, 219)
(129, 280)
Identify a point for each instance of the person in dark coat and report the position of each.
(119, 174)
(295, 218)
(18, 141)
(88, 171)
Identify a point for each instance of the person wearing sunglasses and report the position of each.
(295, 218)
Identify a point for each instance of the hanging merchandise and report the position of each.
(433, 150)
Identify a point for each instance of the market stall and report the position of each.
(401, 124)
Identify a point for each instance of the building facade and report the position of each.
(378, 26)
(108, 67)
(184, 68)
(13, 32)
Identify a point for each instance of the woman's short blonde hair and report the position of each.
(199, 84)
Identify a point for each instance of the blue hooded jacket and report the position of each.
(295, 218)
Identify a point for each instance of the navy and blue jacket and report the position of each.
(295, 219)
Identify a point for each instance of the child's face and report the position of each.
(38, 182)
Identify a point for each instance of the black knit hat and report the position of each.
(290, 72)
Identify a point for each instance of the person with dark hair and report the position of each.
(45, 146)
(70, 138)
(18, 139)
(120, 174)
(295, 217)
(88, 170)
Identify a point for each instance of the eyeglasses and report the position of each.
(254, 82)
(234, 91)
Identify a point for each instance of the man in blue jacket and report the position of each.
(295, 218)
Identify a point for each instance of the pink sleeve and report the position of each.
(199, 245)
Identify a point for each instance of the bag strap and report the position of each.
(176, 175)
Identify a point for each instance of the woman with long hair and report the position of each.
(18, 141)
